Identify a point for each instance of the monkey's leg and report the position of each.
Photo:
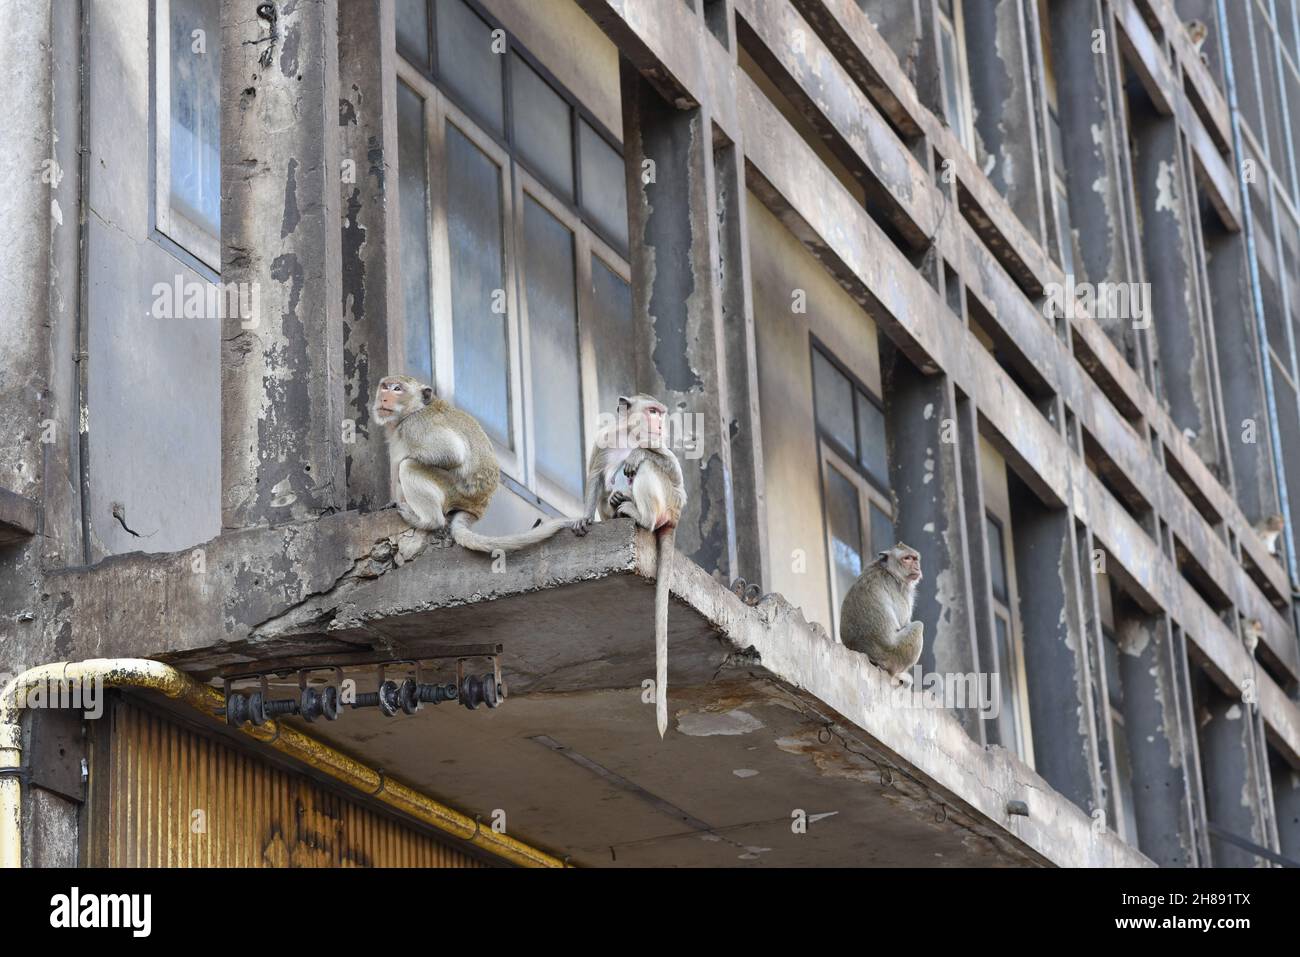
(423, 508)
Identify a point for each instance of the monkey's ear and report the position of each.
(426, 394)
(884, 554)
(624, 402)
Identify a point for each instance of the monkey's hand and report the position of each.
(581, 526)
(633, 462)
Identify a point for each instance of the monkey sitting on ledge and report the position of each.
(876, 616)
(446, 467)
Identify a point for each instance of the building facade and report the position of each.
(1006, 280)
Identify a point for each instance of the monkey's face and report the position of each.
(398, 397)
(906, 562)
(645, 416)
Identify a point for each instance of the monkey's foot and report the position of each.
(409, 517)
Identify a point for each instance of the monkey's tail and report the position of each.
(465, 537)
(666, 538)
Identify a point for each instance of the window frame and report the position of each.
(832, 454)
(171, 223)
(956, 25)
(1009, 612)
(517, 180)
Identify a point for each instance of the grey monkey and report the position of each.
(876, 616)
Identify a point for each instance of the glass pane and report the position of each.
(845, 522)
(550, 288)
(882, 530)
(474, 226)
(195, 106)
(1008, 720)
(1124, 780)
(612, 334)
(873, 453)
(604, 184)
(997, 560)
(834, 398)
(543, 134)
(413, 30)
(952, 104)
(467, 65)
(413, 199)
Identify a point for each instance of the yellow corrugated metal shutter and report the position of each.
(164, 795)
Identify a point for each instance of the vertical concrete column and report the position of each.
(371, 287)
(1090, 142)
(26, 195)
(1181, 342)
(1153, 730)
(1056, 647)
(740, 346)
(926, 475)
(677, 304)
(1231, 778)
(282, 368)
(1002, 99)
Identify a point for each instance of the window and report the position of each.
(1013, 718)
(956, 83)
(514, 239)
(1059, 197)
(855, 474)
(1122, 780)
(187, 127)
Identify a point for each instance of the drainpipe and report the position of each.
(1257, 296)
(143, 674)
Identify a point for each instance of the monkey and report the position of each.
(875, 617)
(632, 473)
(446, 468)
(1251, 631)
(1269, 530)
(1197, 31)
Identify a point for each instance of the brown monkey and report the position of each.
(446, 467)
(876, 616)
(633, 474)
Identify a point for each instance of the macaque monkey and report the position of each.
(1197, 31)
(1269, 530)
(876, 616)
(1252, 631)
(446, 467)
(632, 473)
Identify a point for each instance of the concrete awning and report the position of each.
(768, 716)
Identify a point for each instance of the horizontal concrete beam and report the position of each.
(18, 517)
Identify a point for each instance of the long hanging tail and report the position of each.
(663, 574)
(463, 536)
